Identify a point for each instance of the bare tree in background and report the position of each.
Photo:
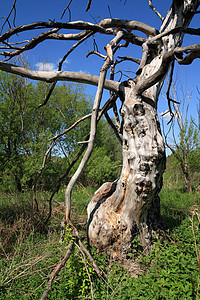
(130, 205)
(184, 136)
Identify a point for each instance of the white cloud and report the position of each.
(44, 66)
(82, 71)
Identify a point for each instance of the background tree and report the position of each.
(106, 160)
(184, 141)
(129, 206)
(25, 130)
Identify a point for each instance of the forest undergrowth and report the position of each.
(30, 251)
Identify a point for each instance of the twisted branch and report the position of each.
(96, 105)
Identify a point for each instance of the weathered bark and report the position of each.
(130, 206)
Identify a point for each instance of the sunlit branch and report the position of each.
(156, 12)
(158, 75)
(103, 27)
(143, 61)
(192, 52)
(59, 76)
(32, 44)
(79, 25)
(175, 30)
(67, 36)
(94, 116)
(130, 25)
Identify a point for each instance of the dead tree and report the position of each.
(130, 205)
(186, 141)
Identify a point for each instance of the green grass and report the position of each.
(29, 252)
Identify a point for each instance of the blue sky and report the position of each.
(51, 52)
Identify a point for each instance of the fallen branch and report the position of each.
(58, 268)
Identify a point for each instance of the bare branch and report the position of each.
(91, 140)
(168, 91)
(96, 53)
(192, 52)
(88, 5)
(7, 19)
(117, 121)
(86, 36)
(135, 60)
(134, 39)
(68, 36)
(106, 106)
(159, 36)
(113, 127)
(156, 12)
(58, 76)
(130, 25)
(48, 95)
(96, 105)
(66, 8)
(32, 44)
(62, 61)
(58, 268)
(80, 25)
(61, 179)
(70, 128)
(143, 61)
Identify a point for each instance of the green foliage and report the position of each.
(25, 130)
(187, 151)
(105, 161)
(101, 168)
(185, 158)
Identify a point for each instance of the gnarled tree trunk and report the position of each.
(130, 206)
